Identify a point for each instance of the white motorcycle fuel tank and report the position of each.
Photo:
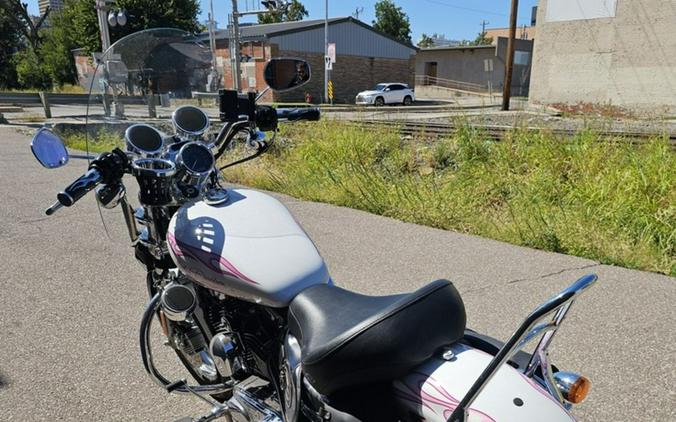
(248, 247)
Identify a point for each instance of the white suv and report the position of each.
(389, 93)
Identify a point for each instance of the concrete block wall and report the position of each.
(628, 60)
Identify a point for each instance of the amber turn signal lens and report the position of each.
(579, 390)
(573, 387)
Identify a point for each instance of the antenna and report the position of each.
(357, 11)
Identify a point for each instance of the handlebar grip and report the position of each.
(80, 187)
(295, 114)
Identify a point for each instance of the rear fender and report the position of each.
(434, 390)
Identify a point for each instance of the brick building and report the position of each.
(364, 56)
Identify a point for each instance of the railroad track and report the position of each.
(498, 132)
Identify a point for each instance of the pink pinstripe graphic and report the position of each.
(425, 391)
(214, 262)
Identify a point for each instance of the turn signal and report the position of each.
(573, 387)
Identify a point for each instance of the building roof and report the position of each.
(274, 29)
(457, 47)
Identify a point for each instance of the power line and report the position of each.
(469, 9)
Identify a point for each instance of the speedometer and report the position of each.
(195, 158)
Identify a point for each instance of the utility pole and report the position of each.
(509, 63)
(101, 12)
(483, 28)
(326, 51)
(234, 48)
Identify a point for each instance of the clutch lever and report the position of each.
(54, 208)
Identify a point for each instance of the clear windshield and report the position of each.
(379, 87)
(147, 73)
(143, 78)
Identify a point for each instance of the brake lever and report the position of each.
(55, 207)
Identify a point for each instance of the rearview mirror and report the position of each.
(48, 149)
(283, 74)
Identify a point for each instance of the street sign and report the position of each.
(330, 90)
(328, 64)
(331, 52)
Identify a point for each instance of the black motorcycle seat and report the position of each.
(349, 339)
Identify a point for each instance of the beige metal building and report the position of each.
(618, 52)
(474, 68)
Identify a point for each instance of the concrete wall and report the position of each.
(628, 60)
(469, 64)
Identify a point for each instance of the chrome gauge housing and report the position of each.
(190, 123)
(144, 140)
(194, 163)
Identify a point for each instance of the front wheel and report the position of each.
(379, 102)
(408, 100)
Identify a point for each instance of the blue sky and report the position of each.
(457, 19)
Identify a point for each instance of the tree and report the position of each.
(56, 52)
(18, 12)
(425, 41)
(294, 12)
(391, 20)
(10, 42)
(482, 39)
(81, 24)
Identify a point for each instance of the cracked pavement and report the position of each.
(72, 301)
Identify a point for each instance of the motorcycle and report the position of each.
(240, 291)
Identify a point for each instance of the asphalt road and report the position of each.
(71, 302)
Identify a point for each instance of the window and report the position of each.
(521, 58)
(396, 87)
(488, 65)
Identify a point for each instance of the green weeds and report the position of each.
(602, 199)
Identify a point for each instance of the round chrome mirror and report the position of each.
(143, 140)
(48, 149)
(284, 74)
(190, 122)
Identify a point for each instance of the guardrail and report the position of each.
(46, 99)
(451, 84)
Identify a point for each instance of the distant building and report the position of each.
(619, 52)
(52, 4)
(478, 68)
(522, 33)
(364, 56)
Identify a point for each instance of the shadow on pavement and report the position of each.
(3, 382)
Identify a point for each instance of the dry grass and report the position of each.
(611, 202)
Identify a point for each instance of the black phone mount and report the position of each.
(234, 106)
